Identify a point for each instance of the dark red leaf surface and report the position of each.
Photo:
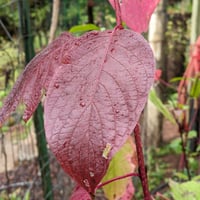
(80, 194)
(96, 86)
(94, 102)
(136, 13)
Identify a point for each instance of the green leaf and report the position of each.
(196, 178)
(175, 145)
(175, 79)
(195, 89)
(184, 191)
(27, 195)
(160, 106)
(192, 134)
(198, 148)
(121, 164)
(181, 176)
(83, 28)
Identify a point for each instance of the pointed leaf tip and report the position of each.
(80, 193)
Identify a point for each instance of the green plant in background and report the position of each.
(185, 191)
(15, 196)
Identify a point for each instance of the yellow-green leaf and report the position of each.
(124, 162)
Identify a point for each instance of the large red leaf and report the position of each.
(136, 13)
(36, 76)
(95, 101)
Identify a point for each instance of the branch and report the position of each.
(16, 185)
(54, 19)
(116, 179)
(142, 171)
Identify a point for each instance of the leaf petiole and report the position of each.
(116, 179)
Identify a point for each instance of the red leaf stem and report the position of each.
(142, 171)
(116, 179)
(118, 13)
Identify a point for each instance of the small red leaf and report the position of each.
(80, 194)
(157, 74)
(36, 76)
(136, 13)
(94, 102)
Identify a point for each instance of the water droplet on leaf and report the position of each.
(82, 104)
(56, 57)
(94, 33)
(56, 85)
(92, 174)
(86, 182)
(66, 59)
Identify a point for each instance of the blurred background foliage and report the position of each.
(73, 14)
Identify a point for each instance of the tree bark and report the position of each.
(156, 37)
(54, 19)
(195, 29)
(90, 6)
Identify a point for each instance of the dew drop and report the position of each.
(94, 33)
(82, 104)
(86, 182)
(117, 111)
(56, 85)
(77, 43)
(91, 174)
(66, 59)
(56, 57)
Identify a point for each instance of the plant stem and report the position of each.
(183, 128)
(183, 144)
(142, 171)
(117, 178)
(118, 12)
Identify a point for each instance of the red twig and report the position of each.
(116, 179)
(118, 12)
(142, 171)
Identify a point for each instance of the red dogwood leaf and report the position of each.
(94, 102)
(136, 13)
(36, 76)
(96, 86)
(80, 194)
